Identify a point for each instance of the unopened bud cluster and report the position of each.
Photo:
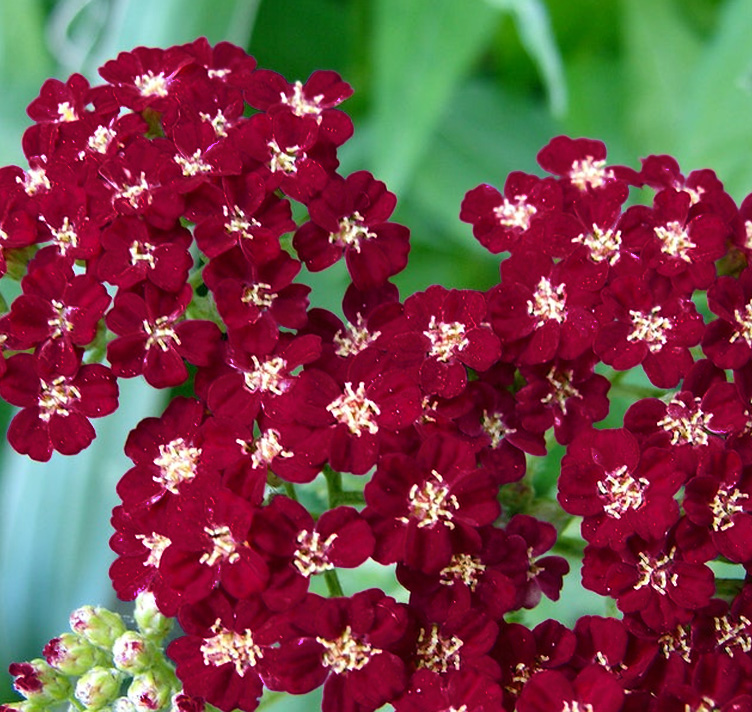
(101, 665)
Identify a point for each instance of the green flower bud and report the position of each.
(148, 618)
(24, 706)
(73, 655)
(123, 704)
(132, 653)
(151, 690)
(98, 625)
(39, 682)
(98, 687)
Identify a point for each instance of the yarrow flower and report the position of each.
(157, 225)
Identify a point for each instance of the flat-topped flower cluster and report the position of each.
(152, 227)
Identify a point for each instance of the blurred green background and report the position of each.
(448, 94)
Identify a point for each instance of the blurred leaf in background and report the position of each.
(448, 95)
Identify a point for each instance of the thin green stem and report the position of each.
(333, 485)
(290, 490)
(333, 584)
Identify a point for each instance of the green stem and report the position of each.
(636, 391)
(333, 584)
(269, 699)
(290, 490)
(333, 485)
(350, 497)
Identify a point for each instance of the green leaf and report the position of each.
(421, 51)
(536, 34)
(717, 127)
(54, 529)
(660, 55)
(160, 24)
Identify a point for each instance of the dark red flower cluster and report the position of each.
(163, 189)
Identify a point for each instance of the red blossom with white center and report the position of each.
(650, 580)
(246, 293)
(146, 76)
(225, 651)
(281, 146)
(728, 340)
(56, 403)
(567, 395)
(134, 252)
(542, 310)
(58, 311)
(154, 340)
(422, 507)
(130, 183)
(210, 547)
(317, 97)
(166, 452)
(339, 539)
(447, 331)
(580, 163)
(645, 322)
(242, 213)
(350, 218)
(593, 690)
(718, 501)
(618, 490)
(500, 222)
(349, 645)
(139, 541)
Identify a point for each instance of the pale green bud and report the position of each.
(148, 618)
(98, 625)
(73, 655)
(132, 653)
(123, 704)
(150, 691)
(98, 687)
(39, 682)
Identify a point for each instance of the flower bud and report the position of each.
(185, 703)
(132, 653)
(148, 618)
(72, 655)
(24, 706)
(123, 704)
(98, 625)
(150, 691)
(39, 682)
(98, 687)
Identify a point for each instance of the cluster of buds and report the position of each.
(151, 225)
(100, 665)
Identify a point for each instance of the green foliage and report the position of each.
(448, 95)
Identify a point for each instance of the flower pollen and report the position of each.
(156, 544)
(59, 323)
(346, 652)
(351, 232)
(731, 634)
(655, 573)
(224, 546)
(266, 448)
(192, 166)
(687, 427)
(436, 652)
(462, 567)
(603, 244)
(142, 252)
(432, 503)
(259, 294)
(161, 333)
(744, 327)
(177, 463)
(675, 239)
(311, 555)
(495, 428)
(650, 328)
(561, 381)
(151, 84)
(515, 214)
(725, 505)
(622, 492)
(239, 222)
(228, 646)
(55, 397)
(354, 339)
(548, 303)
(300, 104)
(283, 160)
(355, 411)
(267, 377)
(589, 173)
(446, 338)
